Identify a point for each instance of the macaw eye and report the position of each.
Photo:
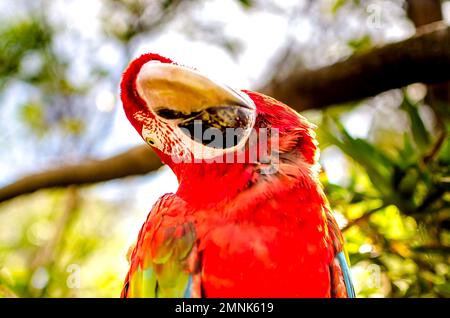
(150, 141)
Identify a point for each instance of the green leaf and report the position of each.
(409, 181)
(444, 152)
(443, 289)
(6, 292)
(73, 126)
(17, 40)
(246, 4)
(407, 154)
(361, 44)
(166, 4)
(338, 4)
(418, 130)
(33, 115)
(377, 165)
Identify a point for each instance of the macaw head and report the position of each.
(190, 120)
(166, 102)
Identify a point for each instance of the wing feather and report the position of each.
(161, 260)
(341, 281)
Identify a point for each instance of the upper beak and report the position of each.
(185, 98)
(177, 92)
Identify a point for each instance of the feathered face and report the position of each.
(183, 114)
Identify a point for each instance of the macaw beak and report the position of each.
(181, 95)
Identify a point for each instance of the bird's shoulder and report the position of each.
(168, 226)
(163, 257)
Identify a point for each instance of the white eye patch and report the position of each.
(152, 138)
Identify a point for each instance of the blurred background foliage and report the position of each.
(385, 159)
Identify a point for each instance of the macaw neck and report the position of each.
(206, 184)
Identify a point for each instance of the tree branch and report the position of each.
(422, 58)
(137, 161)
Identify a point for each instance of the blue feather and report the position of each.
(188, 292)
(347, 275)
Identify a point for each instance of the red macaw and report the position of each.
(233, 228)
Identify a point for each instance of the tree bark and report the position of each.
(136, 161)
(422, 12)
(422, 58)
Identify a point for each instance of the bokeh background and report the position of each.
(385, 158)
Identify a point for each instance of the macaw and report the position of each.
(234, 228)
